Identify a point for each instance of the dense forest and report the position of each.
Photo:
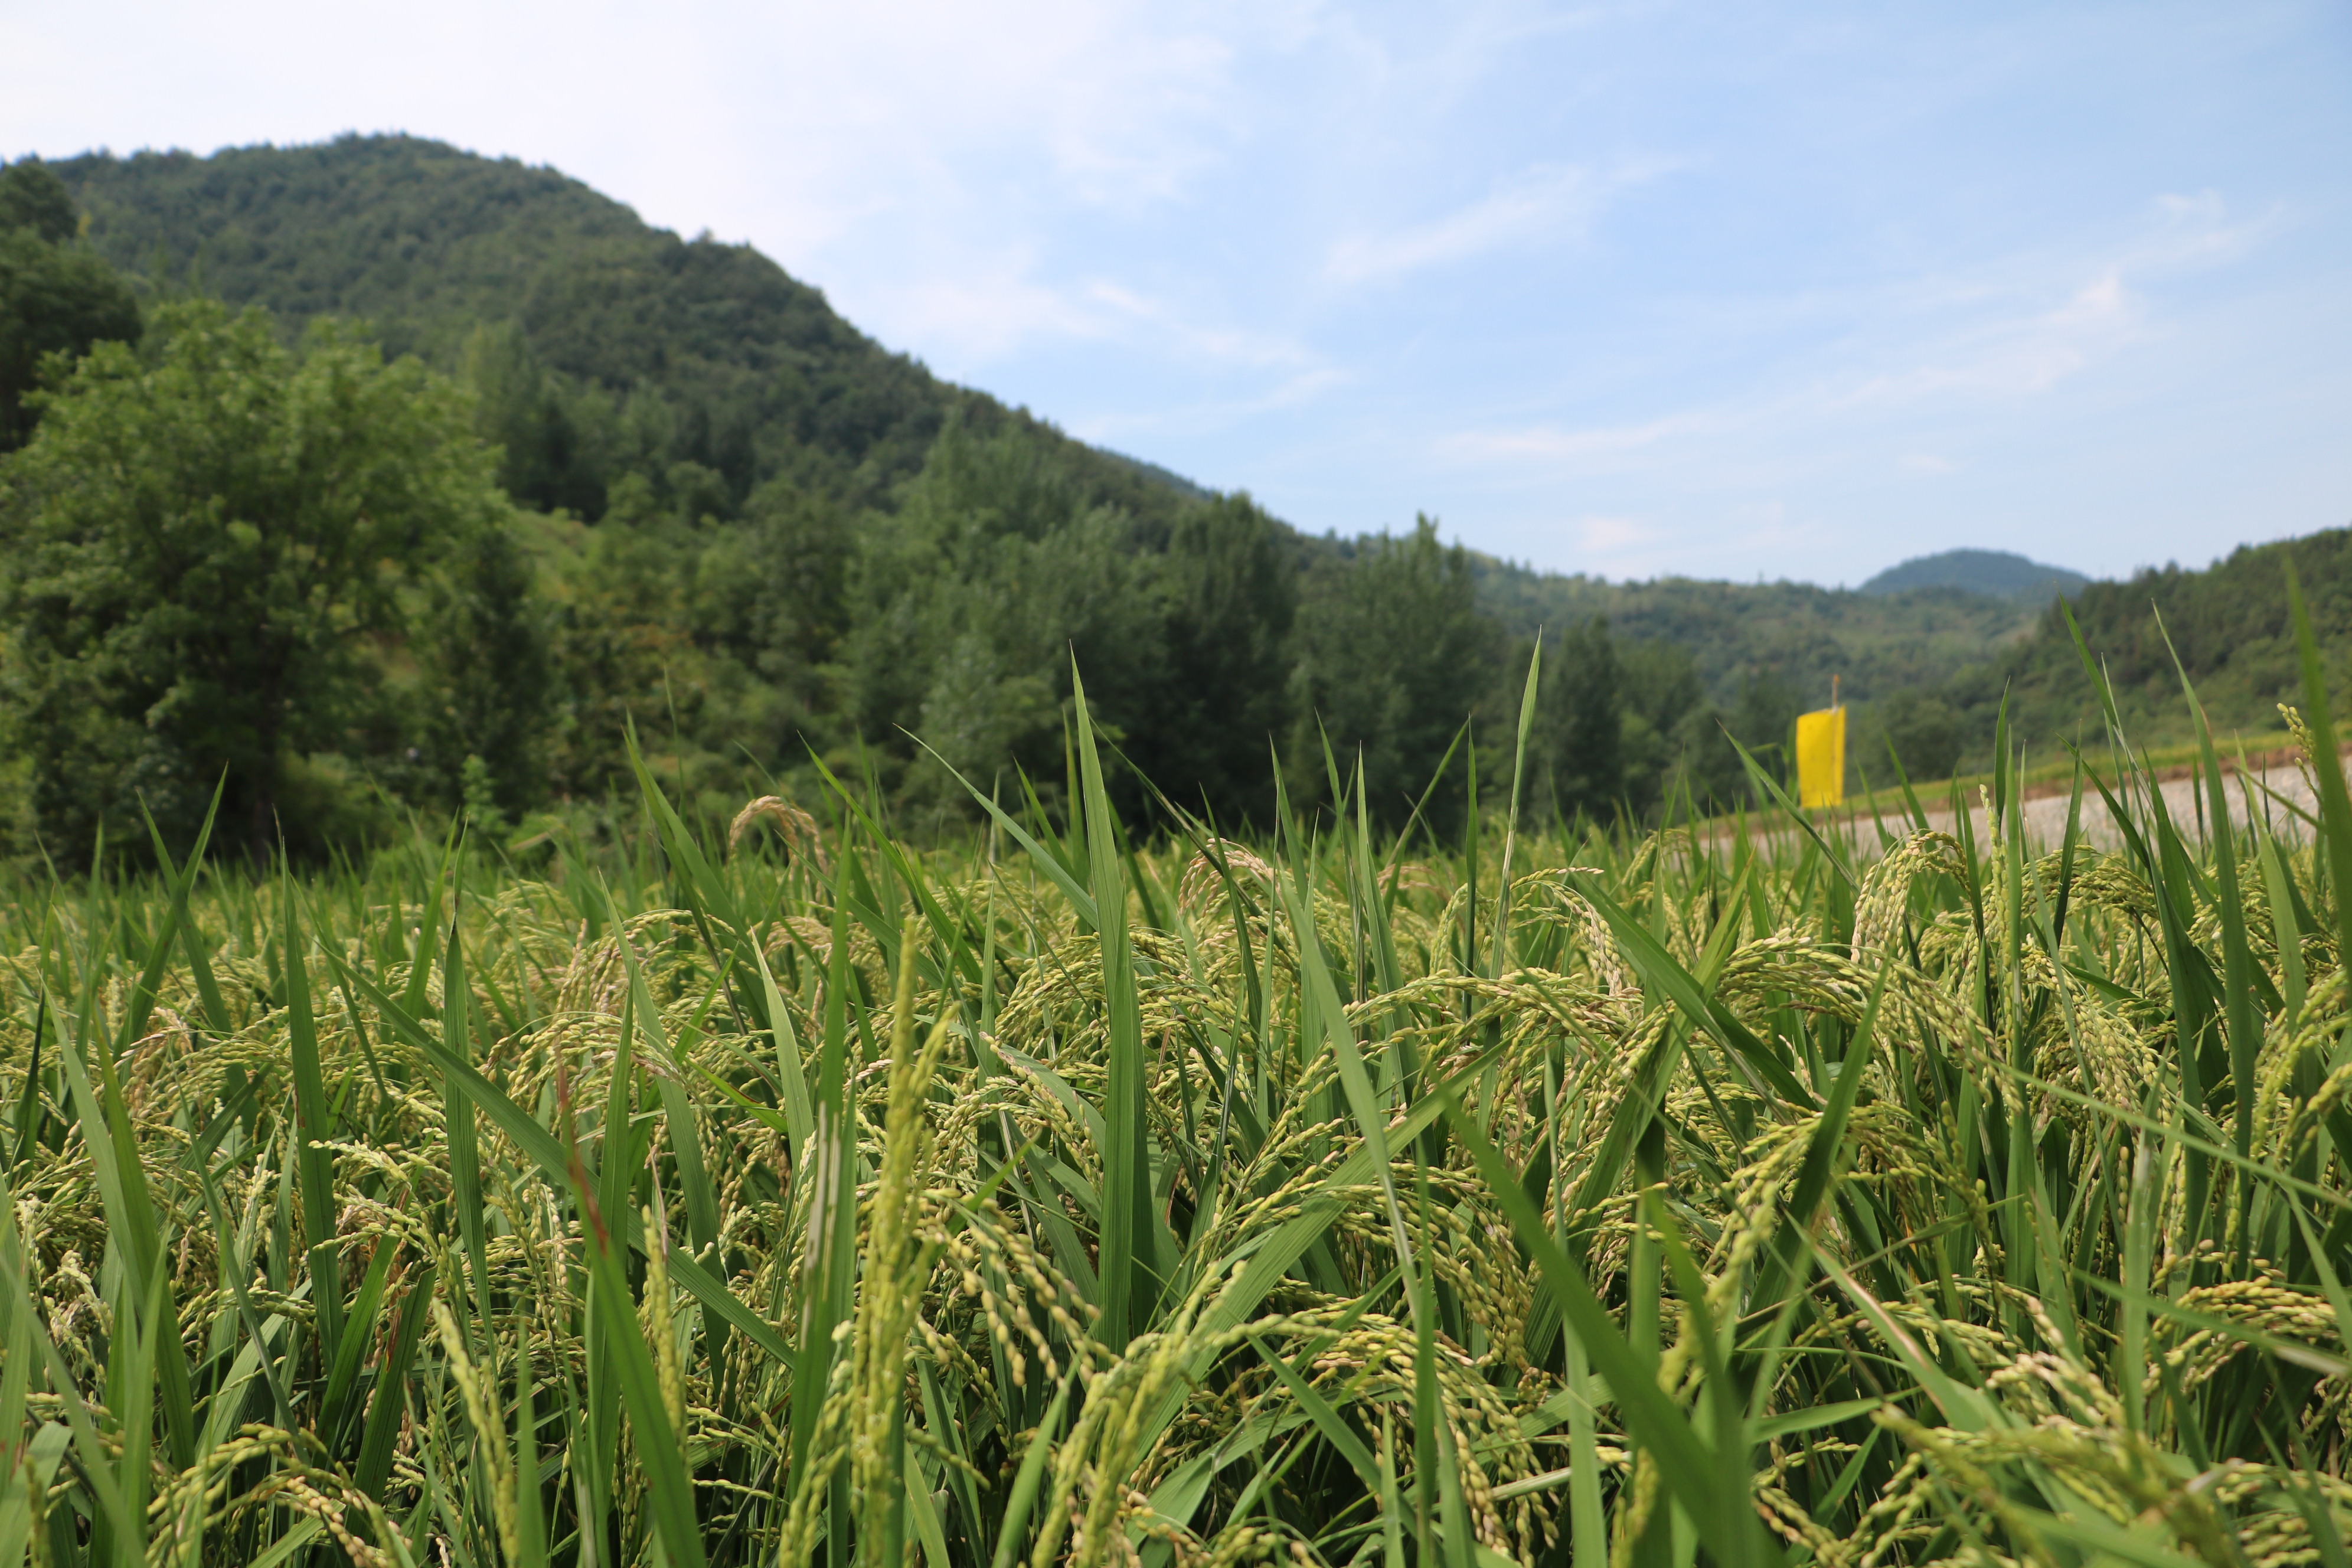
(375, 477)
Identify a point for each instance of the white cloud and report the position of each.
(1209, 416)
(1534, 203)
(1611, 535)
(1568, 445)
(1194, 340)
(1931, 348)
(983, 316)
(2017, 355)
(2194, 231)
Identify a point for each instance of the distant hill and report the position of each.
(602, 346)
(2227, 623)
(1996, 574)
(1796, 634)
(622, 365)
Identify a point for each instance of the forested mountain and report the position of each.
(678, 494)
(741, 528)
(1795, 633)
(2227, 622)
(1996, 574)
(598, 344)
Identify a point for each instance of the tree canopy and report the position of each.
(211, 545)
(597, 477)
(57, 296)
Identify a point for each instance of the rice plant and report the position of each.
(792, 1195)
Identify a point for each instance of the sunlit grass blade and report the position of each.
(388, 1401)
(1511, 823)
(685, 1127)
(131, 1222)
(458, 1106)
(97, 1462)
(1131, 1270)
(2245, 1030)
(343, 1374)
(314, 1128)
(1662, 971)
(192, 944)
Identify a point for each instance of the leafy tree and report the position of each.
(1229, 588)
(1584, 724)
(774, 589)
(543, 457)
(55, 297)
(968, 605)
(1666, 721)
(1393, 654)
(207, 548)
(1762, 720)
(623, 627)
(484, 679)
(33, 198)
(1924, 731)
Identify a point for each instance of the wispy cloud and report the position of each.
(978, 318)
(1367, 258)
(2014, 355)
(1184, 332)
(1567, 444)
(1544, 200)
(2010, 332)
(1610, 536)
(994, 314)
(1208, 415)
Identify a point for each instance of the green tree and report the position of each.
(1001, 566)
(484, 679)
(773, 588)
(33, 198)
(1767, 706)
(1924, 731)
(55, 297)
(1666, 720)
(1393, 654)
(1584, 724)
(207, 550)
(1229, 589)
(543, 460)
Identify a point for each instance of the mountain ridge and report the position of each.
(620, 338)
(1997, 573)
(623, 367)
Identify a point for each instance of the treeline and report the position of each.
(620, 480)
(340, 587)
(2224, 627)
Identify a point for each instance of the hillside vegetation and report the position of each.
(599, 347)
(1996, 574)
(2224, 622)
(727, 519)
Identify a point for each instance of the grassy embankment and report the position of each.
(800, 1194)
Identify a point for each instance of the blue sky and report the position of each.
(1724, 290)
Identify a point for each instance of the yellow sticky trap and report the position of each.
(1821, 757)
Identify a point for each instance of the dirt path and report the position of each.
(2278, 774)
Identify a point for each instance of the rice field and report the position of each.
(782, 1192)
